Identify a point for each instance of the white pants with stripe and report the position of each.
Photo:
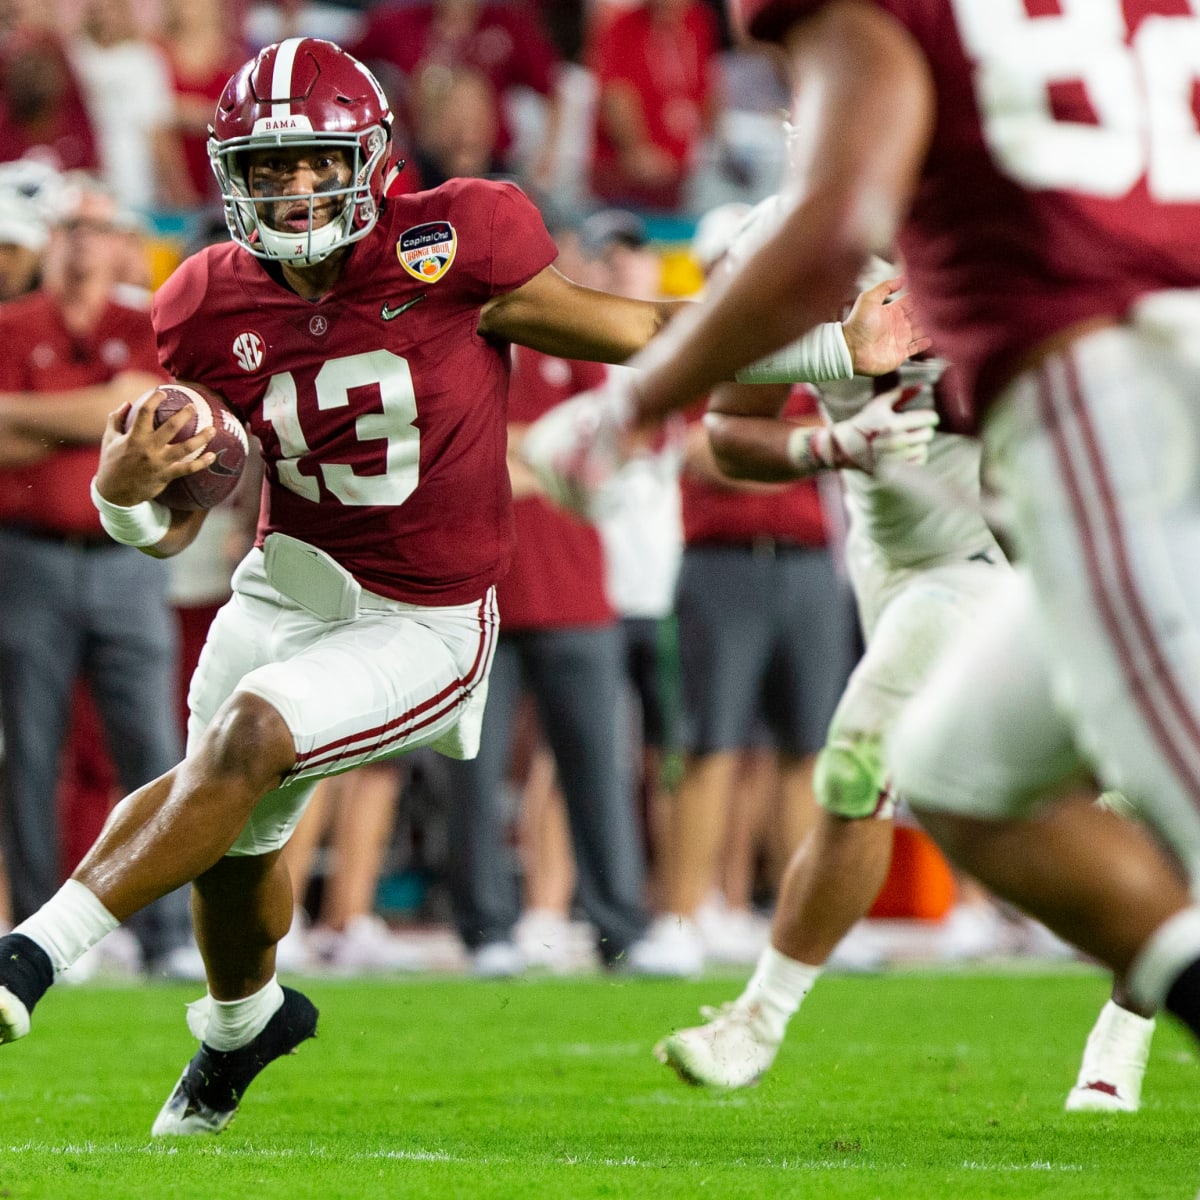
(1088, 659)
(396, 677)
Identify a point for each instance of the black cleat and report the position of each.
(207, 1096)
(26, 974)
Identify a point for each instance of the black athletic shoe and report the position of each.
(212, 1085)
(26, 974)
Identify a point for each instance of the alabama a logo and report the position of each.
(248, 350)
(426, 251)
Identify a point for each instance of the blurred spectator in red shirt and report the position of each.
(203, 51)
(504, 42)
(42, 113)
(658, 98)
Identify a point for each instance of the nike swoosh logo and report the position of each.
(390, 314)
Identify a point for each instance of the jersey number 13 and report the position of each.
(393, 429)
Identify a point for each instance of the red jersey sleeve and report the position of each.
(174, 302)
(521, 246)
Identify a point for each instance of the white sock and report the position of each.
(68, 925)
(778, 986)
(231, 1024)
(1172, 946)
(1118, 1025)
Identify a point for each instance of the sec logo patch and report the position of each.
(427, 251)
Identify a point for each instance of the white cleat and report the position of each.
(972, 932)
(732, 936)
(14, 1017)
(733, 1049)
(671, 948)
(1114, 1063)
(296, 952)
(498, 960)
(368, 947)
(184, 1115)
(552, 942)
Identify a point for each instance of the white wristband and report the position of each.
(140, 525)
(801, 452)
(819, 356)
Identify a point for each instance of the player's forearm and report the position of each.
(794, 282)
(21, 449)
(521, 478)
(762, 449)
(819, 356)
(182, 533)
(602, 328)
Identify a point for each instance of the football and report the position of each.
(208, 487)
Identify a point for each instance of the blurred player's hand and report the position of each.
(882, 329)
(577, 447)
(889, 428)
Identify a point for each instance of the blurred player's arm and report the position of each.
(76, 414)
(880, 332)
(865, 111)
(18, 449)
(750, 440)
(552, 314)
(701, 460)
(520, 474)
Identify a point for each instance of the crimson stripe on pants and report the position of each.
(442, 703)
(1156, 693)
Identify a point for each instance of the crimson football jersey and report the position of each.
(1063, 179)
(381, 411)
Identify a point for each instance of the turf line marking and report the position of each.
(1038, 1165)
(572, 1160)
(251, 1152)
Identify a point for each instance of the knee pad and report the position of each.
(849, 779)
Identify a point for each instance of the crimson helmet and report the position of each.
(302, 92)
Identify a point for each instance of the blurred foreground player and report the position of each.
(1079, 204)
(365, 342)
(922, 563)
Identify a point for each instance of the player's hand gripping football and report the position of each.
(891, 428)
(577, 447)
(136, 464)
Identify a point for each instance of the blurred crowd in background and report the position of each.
(648, 753)
(591, 103)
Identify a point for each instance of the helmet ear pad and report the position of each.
(302, 92)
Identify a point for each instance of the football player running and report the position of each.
(364, 340)
(928, 119)
(921, 562)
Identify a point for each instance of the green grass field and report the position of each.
(937, 1086)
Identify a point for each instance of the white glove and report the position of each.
(577, 447)
(883, 430)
